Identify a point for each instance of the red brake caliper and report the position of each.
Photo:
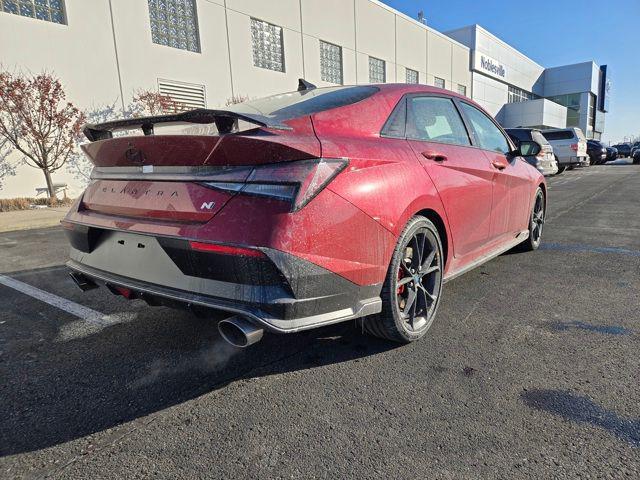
(401, 287)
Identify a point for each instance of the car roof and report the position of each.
(404, 88)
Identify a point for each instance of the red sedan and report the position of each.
(304, 209)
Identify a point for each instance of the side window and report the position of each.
(487, 134)
(435, 119)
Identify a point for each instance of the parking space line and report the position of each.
(87, 314)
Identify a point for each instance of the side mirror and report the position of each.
(527, 148)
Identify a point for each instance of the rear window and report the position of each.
(519, 134)
(559, 135)
(285, 106)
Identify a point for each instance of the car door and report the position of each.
(461, 174)
(511, 182)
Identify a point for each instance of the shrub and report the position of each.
(25, 203)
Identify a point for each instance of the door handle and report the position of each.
(499, 165)
(438, 157)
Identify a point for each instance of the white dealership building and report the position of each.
(204, 52)
(519, 92)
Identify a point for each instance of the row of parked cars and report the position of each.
(631, 150)
(562, 148)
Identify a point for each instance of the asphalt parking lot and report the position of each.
(531, 370)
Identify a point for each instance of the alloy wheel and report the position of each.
(537, 218)
(418, 280)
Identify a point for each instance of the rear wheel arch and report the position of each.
(544, 192)
(438, 221)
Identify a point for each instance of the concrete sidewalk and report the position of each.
(27, 219)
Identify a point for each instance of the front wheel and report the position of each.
(412, 289)
(536, 223)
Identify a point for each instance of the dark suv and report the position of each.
(624, 149)
(597, 152)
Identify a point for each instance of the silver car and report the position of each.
(535, 149)
(569, 146)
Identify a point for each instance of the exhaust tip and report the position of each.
(239, 331)
(83, 282)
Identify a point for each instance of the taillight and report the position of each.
(295, 182)
(226, 249)
(574, 147)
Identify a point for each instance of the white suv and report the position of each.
(569, 146)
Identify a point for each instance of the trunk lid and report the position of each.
(162, 177)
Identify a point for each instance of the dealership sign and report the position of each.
(486, 64)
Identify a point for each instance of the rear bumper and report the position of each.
(571, 161)
(290, 295)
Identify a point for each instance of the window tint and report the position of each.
(519, 134)
(558, 135)
(527, 149)
(487, 134)
(435, 119)
(278, 108)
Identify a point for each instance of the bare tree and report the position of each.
(78, 163)
(145, 103)
(6, 169)
(38, 122)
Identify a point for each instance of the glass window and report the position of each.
(377, 70)
(268, 45)
(517, 95)
(592, 113)
(439, 82)
(174, 23)
(462, 90)
(558, 134)
(412, 76)
(47, 10)
(284, 106)
(435, 119)
(487, 134)
(330, 62)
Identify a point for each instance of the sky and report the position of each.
(559, 32)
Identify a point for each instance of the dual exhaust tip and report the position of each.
(236, 330)
(239, 331)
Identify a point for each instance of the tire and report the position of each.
(419, 250)
(536, 223)
(560, 169)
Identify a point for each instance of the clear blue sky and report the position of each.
(559, 32)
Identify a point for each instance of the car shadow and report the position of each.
(68, 380)
(577, 408)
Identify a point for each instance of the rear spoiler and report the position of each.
(225, 121)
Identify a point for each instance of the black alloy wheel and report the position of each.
(412, 291)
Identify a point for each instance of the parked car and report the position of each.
(305, 208)
(624, 149)
(612, 153)
(537, 151)
(569, 146)
(636, 156)
(597, 152)
(634, 147)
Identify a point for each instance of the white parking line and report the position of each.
(87, 314)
